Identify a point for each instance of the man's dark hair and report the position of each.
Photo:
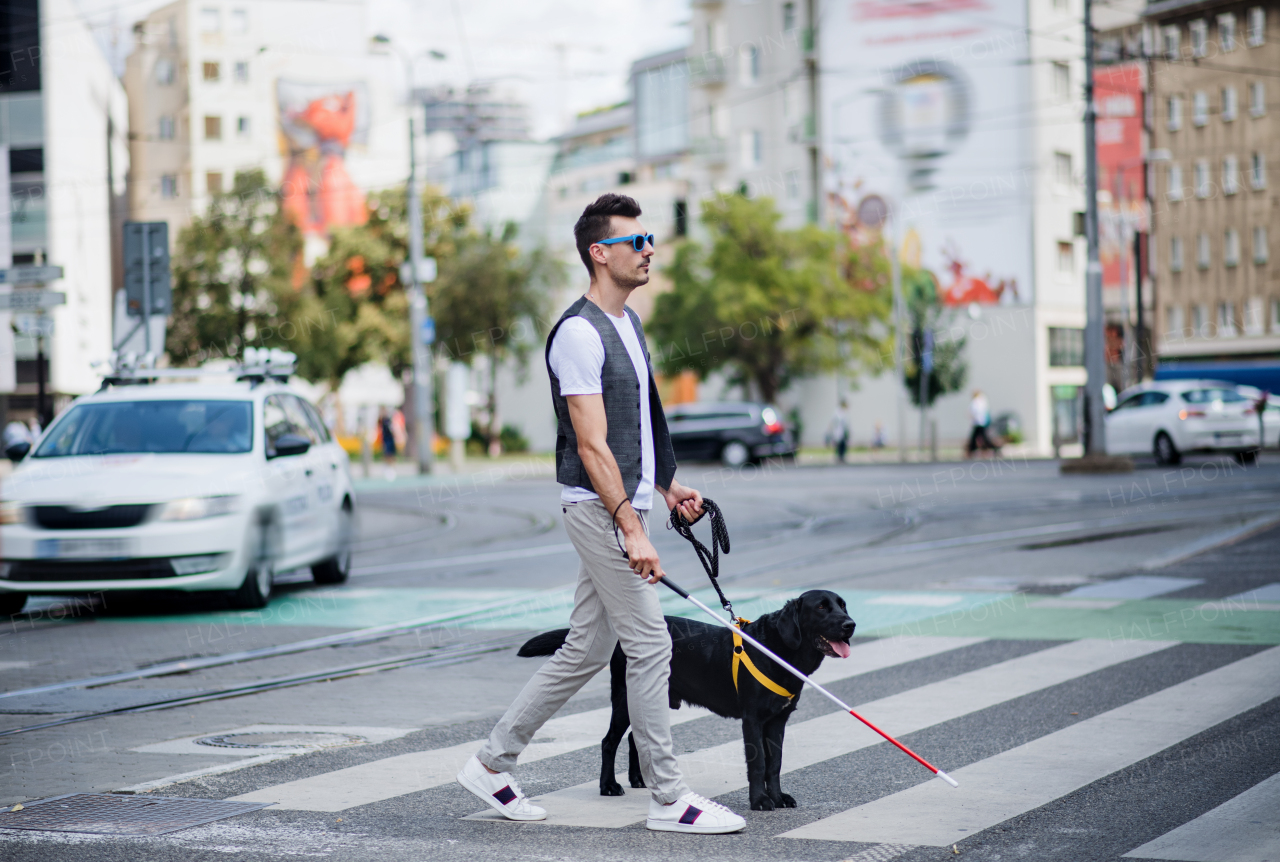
(593, 224)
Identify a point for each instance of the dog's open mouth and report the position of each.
(833, 649)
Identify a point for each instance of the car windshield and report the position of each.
(120, 427)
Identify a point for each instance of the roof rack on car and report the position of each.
(260, 365)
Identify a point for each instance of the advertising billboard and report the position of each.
(927, 104)
(1122, 209)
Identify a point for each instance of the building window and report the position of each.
(1202, 251)
(1200, 320)
(1257, 26)
(239, 20)
(680, 217)
(788, 17)
(1203, 183)
(212, 71)
(213, 128)
(1066, 258)
(1060, 5)
(213, 182)
(1062, 170)
(1275, 315)
(1175, 182)
(1175, 254)
(1258, 171)
(1255, 323)
(242, 127)
(1226, 319)
(1173, 321)
(719, 121)
(1231, 247)
(169, 186)
(1200, 108)
(242, 72)
(1230, 175)
(751, 146)
(749, 65)
(166, 130)
(1066, 347)
(1175, 113)
(1199, 30)
(1227, 32)
(210, 20)
(1230, 104)
(1061, 82)
(793, 184)
(1172, 42)
(1260, 254)
(1257, 99)
(164, 72)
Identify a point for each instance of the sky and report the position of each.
(560, 57)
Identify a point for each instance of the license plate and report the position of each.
(1219, 435)
(84, 549)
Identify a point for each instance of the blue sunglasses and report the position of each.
(637, 240)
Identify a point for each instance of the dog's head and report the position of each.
(819, 619)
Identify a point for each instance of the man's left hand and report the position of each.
(686, 500)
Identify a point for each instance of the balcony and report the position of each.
(707, 70)
(711, 151)
(804, 132)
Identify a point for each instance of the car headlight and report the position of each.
(194, 508)
(12, 512)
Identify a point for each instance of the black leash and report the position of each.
(710, 559)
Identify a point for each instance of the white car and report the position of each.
(1169, 418)
(177, 486)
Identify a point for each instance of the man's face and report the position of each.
(627, 267)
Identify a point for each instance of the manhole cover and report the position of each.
(110, 814)
(282, 739)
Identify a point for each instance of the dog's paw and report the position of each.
(764, 803)
(785, 800)
(611, 788)
(637, 781)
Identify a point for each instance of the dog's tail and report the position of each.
(544, 644)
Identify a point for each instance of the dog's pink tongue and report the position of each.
(841, 648)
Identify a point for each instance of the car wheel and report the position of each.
(1166, 453)
(1248, 458)
(12, 603)
(336, 569)
(734, 454)
(255, 592)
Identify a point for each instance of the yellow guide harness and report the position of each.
(740, 657)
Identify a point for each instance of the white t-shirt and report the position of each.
(577, 359)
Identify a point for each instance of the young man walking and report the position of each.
(613, 453)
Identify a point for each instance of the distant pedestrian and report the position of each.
(877, 437)
(980, 416)
(838, 431)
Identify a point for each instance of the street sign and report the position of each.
(146, 267)
(33, 324)
(31, 300)
(30, 274)
(428, 332)
(426, 271)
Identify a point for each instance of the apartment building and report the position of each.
(1215, 147)
(63, 161)
(753, 122)
(289, 86)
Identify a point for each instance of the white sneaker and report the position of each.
(693, 813)
(500, 791)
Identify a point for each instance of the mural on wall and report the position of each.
(1122, 209)
(318, 123)
(929, 116)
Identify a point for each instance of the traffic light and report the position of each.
(146, 263)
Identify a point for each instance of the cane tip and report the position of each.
(948, 779)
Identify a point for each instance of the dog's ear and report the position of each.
(789, 624)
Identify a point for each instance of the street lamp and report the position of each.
(418, 270)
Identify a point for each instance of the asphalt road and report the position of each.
(1093, 658)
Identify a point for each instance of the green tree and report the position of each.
(231, 271)
(490, 299)
(767, 304)
(919, 290)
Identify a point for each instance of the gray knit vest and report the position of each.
(621, 391)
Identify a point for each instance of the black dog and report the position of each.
(802, 633)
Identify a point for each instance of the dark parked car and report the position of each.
(733, 432)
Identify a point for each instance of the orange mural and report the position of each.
(965, 289)
(319, 122)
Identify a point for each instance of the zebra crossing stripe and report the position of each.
(422, 770)
(1243, 829)
(720, 769)
(1031, 775)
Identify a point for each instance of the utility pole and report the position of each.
(1095, 361)
(424, 417)
(899, 318)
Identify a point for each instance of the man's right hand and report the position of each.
(642, 556)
